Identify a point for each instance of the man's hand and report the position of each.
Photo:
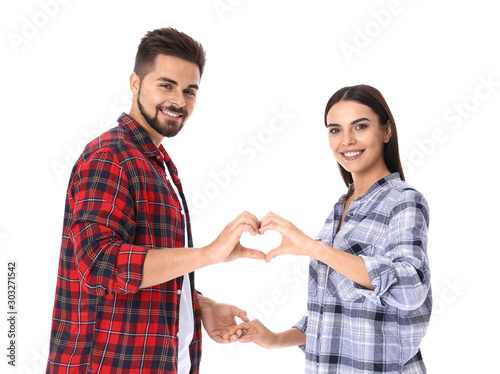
(227, 247)
(219, 319)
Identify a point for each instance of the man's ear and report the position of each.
(135, 83)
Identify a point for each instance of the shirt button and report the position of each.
(178, 334)
(179, 292)
(157, 157)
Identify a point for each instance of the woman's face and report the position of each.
(357, 138)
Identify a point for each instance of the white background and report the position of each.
(65, 67)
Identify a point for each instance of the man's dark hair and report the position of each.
(167, 41)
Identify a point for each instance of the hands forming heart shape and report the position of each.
(227, 246)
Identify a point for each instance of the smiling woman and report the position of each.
(370, 102)
(357, 139)
(369, 298)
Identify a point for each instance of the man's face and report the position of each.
(166, 96)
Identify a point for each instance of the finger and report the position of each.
(249, 218)
(268, 219)
(241, 314)
(274, 253)
(250, 215)
(233, 338)
(248, 338)
(250, 228)
(252, 253)
(219, 339)
(273, 227)
(273, 222)
(242, 326)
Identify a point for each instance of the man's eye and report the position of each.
(190, 92)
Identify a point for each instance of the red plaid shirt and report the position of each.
(119, 205)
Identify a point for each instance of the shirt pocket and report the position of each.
(312, 283)
(353, 246)
(366, 230)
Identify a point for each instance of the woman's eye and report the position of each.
(334, 131)
(361, 126)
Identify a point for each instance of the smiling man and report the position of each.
(125, 299)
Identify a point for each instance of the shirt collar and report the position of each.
(374, 188)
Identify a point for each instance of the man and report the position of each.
(125, 299)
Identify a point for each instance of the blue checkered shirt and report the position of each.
(351, 329)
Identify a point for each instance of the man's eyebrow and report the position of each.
(164, 79)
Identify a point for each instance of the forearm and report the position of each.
(162, 265)
(289, 338)
(349, 265)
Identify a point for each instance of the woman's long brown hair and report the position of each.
(372, 98)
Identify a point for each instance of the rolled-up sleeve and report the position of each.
(302, 325)
(103, 228)
(401, 276)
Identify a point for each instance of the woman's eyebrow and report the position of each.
(359, 120)
(352, 123)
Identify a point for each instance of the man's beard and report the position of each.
(171, 128)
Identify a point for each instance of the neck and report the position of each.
(363, 182)
(156, 138)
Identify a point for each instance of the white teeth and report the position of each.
(171, 114)
(352, 154)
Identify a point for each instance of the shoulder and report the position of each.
(115, 144)
(405, 196)
(113, 154)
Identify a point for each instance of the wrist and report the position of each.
(278, 340)
(289, 338)
(205, 302)
(315, 249)
(210, 255)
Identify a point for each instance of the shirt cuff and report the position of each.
(382, 277)
(129, 267)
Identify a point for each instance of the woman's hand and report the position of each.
(253, 331)
(294, 241)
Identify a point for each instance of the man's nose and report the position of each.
(177, 98)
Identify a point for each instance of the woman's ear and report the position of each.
(388, 132)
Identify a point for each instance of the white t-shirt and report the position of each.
(186, 315)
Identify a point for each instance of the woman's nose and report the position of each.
(348, 138)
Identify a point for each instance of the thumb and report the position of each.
(240, 313)
(274, 253)
(252, 253)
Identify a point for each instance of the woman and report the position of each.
(369, 294)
